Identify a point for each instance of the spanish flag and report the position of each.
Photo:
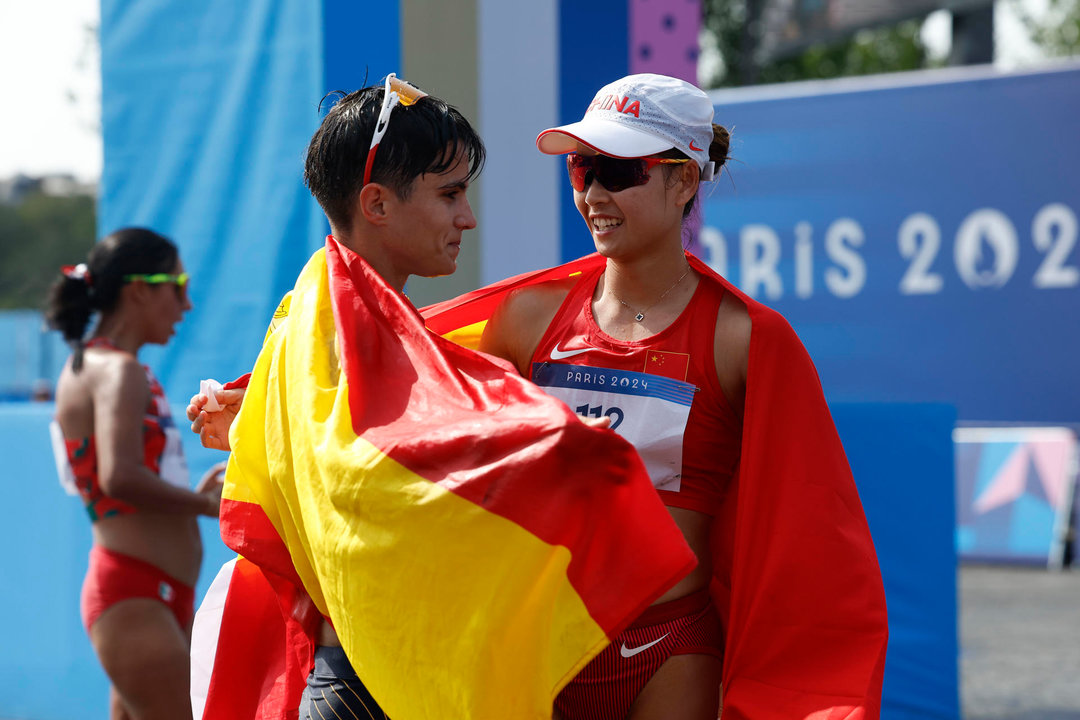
(471, 541)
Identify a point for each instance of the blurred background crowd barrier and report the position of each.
(918, 230)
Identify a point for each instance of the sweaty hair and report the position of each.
(718, 153)
(424, 137)
(72, 301)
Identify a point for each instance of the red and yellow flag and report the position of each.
(473, 543)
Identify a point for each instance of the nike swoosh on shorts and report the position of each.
(631, 652)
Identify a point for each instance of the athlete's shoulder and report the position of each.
(108, 365)
(521, 319)
(740, 307)
(539, 299)
(733, 323)
(116, 380)
(547, 290)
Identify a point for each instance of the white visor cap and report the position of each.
(640, 115)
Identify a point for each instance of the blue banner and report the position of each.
(919, 231)
(902, 459)
(207, 109)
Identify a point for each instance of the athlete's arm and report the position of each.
(502, 334)
(518, 325)
(120, 397)
(731, 350)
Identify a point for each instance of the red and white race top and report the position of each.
(661, 393)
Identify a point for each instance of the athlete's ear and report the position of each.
(137, 292)
(372, 203)
(687, 182)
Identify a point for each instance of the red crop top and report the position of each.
(661, 393)
(162, 454)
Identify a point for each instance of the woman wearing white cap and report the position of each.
(655, 341)
(786, 606)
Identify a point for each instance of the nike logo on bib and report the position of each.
(557, 354)
(631, 652)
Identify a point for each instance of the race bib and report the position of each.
(649, 411)
(63, 466)
(172, 466)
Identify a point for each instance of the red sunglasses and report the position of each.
(615, 174)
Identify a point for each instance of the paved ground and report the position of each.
(1020, 643)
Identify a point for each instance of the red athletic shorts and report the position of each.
(113, 577)
(606, 687)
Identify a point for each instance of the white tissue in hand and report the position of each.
(208, 388)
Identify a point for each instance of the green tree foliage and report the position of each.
(869, 52)
(1058, 31)
(886, 49)
(37, 236)
(723, 25)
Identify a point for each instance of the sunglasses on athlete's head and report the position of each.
(395, 91)
(179, 280)
(614, 174)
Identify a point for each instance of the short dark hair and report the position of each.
(73, 300)
(425, 137)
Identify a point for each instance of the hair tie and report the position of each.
(77, 272)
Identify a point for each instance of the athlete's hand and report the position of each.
(195, 405)
(210, 486)
(213, 427)
(213, 480)
(600, 422)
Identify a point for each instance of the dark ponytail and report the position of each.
(718, 149)
(95, 287)
(68, 310)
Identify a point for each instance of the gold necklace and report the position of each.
(639, 315)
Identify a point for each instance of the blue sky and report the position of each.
(50, 85)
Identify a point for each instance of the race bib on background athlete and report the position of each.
(172, 466)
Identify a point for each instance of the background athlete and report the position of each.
(114, 429)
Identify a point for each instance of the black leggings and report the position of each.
(333, 690)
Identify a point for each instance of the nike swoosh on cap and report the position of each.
(695, 149)
(557, 354)
(631, 652)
